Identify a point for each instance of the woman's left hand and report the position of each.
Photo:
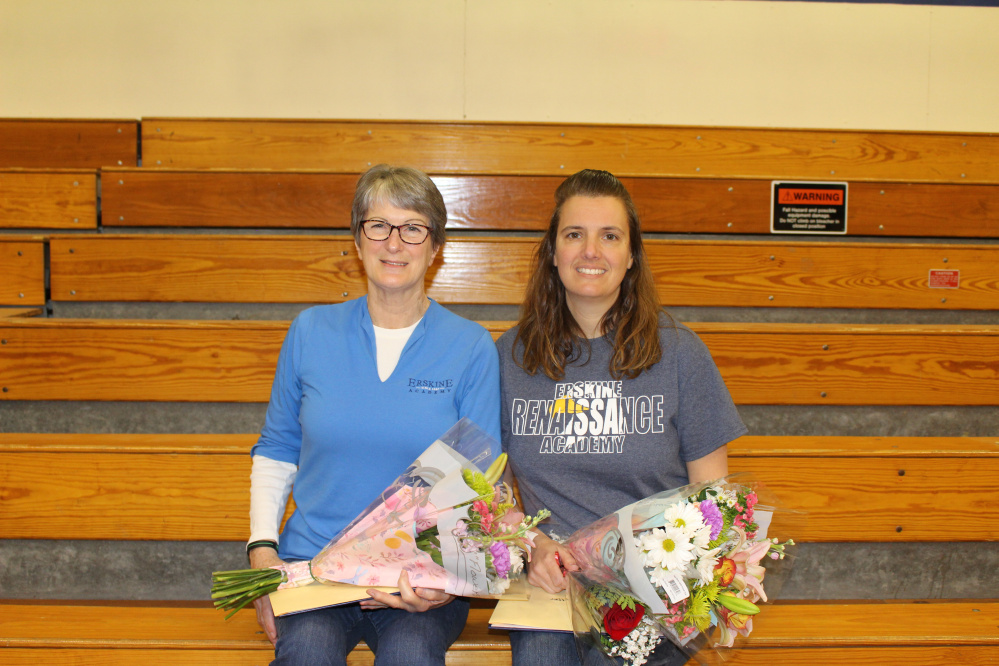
(414, 600)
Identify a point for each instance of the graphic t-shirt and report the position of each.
(587, 445)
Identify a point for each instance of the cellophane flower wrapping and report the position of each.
(689, 565)
(444, 521)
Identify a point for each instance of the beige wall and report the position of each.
(702, 62)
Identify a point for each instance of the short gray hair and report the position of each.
(403, 187)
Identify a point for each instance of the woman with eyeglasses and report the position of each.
(605, 399)
(361, 389)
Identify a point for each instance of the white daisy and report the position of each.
(701, 539)
(706, 564)
(667, 547)
(684, 516)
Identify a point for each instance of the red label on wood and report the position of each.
(941, 279)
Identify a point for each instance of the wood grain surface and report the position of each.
(265, 199)
(183, 633)
(562, 149)
(22, 260)
(20, 312)
(196, 487)
(234, 361)
(68, 143)
(804, 634)
(247, 199)
(48, 199)
(323, 269)
(121, 360)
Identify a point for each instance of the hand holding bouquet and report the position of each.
(687, 564)
(446, 523)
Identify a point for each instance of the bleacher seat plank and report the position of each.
(315, 269)
(74, 144)
(264, 199)
(186, 633)
(156, 360)
(218, 198)
(23, 262)
(169, 487)
(233, 361)
(560, 149)
(856, 365)
(920, 209)
(20, 312)
(803, 634)
(743, 206)
(48, 199)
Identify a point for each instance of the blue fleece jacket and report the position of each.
(351, 434)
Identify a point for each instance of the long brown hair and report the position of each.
(550, 335)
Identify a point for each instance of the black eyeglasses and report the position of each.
(409, 233)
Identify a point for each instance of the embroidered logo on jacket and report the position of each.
(430, 386)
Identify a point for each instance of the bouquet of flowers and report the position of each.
(687, 564)
(445, 522)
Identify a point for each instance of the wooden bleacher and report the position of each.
(225, 177)
(762, 363)
(23, 262)
(561, 149)
(153, 487)
(68, 144)
(48, 199)
(311, 199)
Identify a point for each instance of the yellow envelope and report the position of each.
(320, 595)
(541, 610)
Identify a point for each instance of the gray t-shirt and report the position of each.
(588, 445)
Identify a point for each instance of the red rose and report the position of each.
(620, 621)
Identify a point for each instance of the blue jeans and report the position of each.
(555, 648)
(325, 636)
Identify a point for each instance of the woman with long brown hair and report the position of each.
(605, 399)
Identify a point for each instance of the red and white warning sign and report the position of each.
(944, 279)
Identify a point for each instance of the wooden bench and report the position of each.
(48, 198)
(268, 199)
(69, 144)
(322, 269)
(23, 262)
(111, 486)
(792, 634)
(153, 487)
(561, 149)
(20, 312)
(233, 361)
(498, 179)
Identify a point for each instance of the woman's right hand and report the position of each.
(262, 558)
(549, 562)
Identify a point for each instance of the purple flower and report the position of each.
(501, 558)
(712, 516)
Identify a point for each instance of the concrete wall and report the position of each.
(699, 62)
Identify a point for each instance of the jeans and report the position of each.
(324, 637)
(554, 648)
